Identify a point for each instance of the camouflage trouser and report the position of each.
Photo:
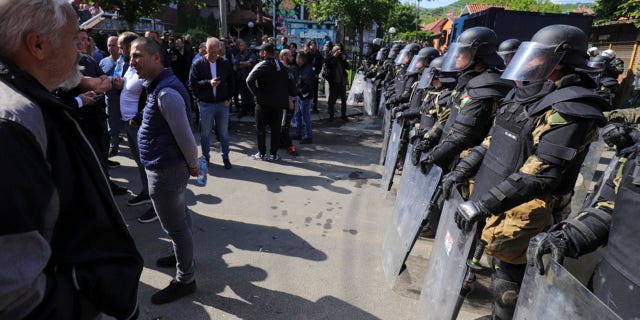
(507, 235)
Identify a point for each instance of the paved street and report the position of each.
(295, 239)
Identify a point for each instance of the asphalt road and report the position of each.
(299, 238)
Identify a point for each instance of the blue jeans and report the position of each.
(303, 114)
(114, 120)
(166, 188)
(214, 114)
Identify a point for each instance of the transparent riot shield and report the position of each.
(557, 295)
(386, 131)
(414, 194)
(356, 90)
(393, 148)
(447, 265)
(382, 112)
(369, 98)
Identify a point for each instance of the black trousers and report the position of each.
(314, 105)
(337, 90)
(271, 116)
(285, 138)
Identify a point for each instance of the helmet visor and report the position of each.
(403, 57)
(597, 66)
(458, 58)
(506, 56)
(392, 54)
(417, 64)
(532, 62)
(426, 78)
(380, 55)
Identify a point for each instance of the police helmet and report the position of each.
(611, 54)
(382, 54)
(474, 43)
(407, 54)
(395, 49)
(536, 59)
(378, 42)
(507, 49)
(422, 60)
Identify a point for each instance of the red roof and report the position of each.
(435, 26)
(472, 8)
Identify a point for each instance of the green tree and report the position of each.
(131, 10)
(402, 17)
(357, 15)
(527, 5)
(629, 9)
(605, 10)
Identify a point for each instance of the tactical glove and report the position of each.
(450, 180)
(470, 212)
(554, 242)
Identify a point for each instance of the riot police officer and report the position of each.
(507, 49)
(530, 161)
(607, 85)
(434, 110)
(418, 65)
(402, 81)
(611, 221)
(475, 98)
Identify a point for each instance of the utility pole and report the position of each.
(417, 15)
(223, 18)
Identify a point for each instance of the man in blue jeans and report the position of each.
(169, 154)
(211, 81)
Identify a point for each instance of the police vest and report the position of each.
(512, 141)
(623, 245)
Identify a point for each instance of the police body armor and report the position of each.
(512, 133)
(434, 107)
(487, 84)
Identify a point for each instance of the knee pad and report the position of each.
(505, 297)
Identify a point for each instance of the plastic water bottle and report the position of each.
(117, 72)
(202, 172)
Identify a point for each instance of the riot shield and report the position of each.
(592, 167)
(369, 97)
(414, 194)
(386, 131)
(558, 295)
(356, 90)
(393, 148)
(447, 265)
(382, 112)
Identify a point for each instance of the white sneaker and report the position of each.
(259, 156)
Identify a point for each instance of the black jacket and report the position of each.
(336, 69)
(200, 78)
(270, 84)
(61, 185)
(306, 79)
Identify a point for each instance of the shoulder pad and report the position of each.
(488, 84)
(574, 101)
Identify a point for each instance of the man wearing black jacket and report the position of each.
(211, 81)
(269, 83)
(65, 250)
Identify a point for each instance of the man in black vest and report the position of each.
(527, 166)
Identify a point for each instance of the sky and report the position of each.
(430, 4)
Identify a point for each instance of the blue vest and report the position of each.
(158, 148)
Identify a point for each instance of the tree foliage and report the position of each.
(131, 10)
(611, 10)
(527, 5)
(357, 15)
(403, 18)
